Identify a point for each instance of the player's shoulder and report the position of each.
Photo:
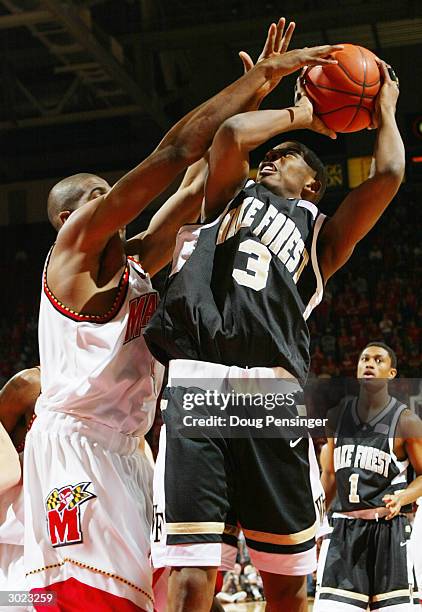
(336, 414)
(25, 379)
(409, 424)
(30, 375)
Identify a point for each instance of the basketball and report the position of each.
(343, 94)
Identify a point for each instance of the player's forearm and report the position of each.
(328, 481)
(251, 129)
(412, 492)
(362, 208)
(183, 145)
(193, 134)
(389, 155)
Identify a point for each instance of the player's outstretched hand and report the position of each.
(302, 100)
(393, 503)
(388, 94)
(276, 43)
(291, 61)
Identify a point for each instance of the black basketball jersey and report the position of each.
(364, 461)
(242, 287)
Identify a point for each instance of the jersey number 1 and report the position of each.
(353, 495)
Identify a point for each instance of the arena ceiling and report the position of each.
(97, 82)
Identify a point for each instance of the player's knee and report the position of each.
(192, 588)
(284, 589)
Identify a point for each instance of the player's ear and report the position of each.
(311, 189)
(392, 373)
(64, 215)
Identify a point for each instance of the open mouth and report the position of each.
(267, 168)
(368, 374)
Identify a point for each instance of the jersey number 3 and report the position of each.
(256, 273)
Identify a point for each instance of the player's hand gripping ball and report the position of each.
(343, 95)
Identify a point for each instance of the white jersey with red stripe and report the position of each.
(88, 488)
(99, 367)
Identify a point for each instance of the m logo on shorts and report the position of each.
(63, 508)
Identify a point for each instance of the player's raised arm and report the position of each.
(229, 155)
(91, 228)
(154, 246)
(363, 206)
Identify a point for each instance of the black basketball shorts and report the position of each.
(208, 487)
(367, 566)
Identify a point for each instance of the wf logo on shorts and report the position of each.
(63, 507)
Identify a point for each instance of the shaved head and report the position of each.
(68, 195)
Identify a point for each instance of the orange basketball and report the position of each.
(343, 94)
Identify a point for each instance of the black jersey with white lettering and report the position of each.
(365, 465)
(242, 287)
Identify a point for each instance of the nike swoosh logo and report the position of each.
(294, 443)
(403, 543)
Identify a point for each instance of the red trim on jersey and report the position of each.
(20, 447)
(73, 595)
(78, 316)
(136, 261)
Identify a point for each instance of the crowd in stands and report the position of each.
(375, 297)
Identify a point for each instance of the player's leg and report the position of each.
(284, 592)
(277, 515)
(277, 502)
(191, 588)
(344, 583)
(393, 588)
(190, 505)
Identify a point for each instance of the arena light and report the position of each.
(417, 126)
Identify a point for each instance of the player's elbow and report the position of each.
(233, 128)
(229, 136)
(180, 154)
(391, 172)
(187, 150)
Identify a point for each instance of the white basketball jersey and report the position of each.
(99, 367)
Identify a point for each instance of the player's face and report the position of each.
(285, 171)
(375, 363)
